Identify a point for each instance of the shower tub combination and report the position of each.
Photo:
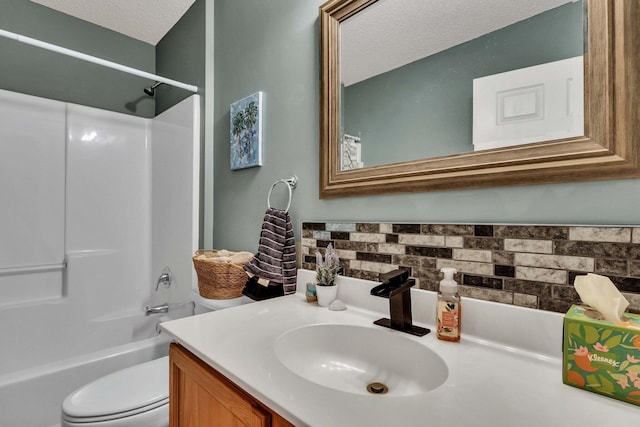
(97, 205)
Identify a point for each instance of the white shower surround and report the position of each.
(112, 197)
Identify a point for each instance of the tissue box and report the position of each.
(602, 357)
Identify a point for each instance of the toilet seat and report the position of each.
(134, 391)
(149, 417)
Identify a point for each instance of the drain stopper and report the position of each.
(377, 388)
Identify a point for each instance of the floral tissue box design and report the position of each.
(600, 356)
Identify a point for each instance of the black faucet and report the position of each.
(396, 286)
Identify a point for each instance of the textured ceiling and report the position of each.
(392, 33)
(146, 20)
(385, 36)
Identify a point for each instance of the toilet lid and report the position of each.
(124, 391)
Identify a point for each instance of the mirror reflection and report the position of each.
(422, 79)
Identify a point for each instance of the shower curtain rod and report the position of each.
(96, 60)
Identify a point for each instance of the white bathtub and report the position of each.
(81, 255)
(32, 397)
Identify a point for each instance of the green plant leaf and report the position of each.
(628, 339)
(592, 381)
(634, 368)
(605, 334)
(590, 334)
(574, 329)
(617, 377)
(613, 342)
(607, 386)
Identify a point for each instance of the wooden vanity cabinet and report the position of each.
(201, 396)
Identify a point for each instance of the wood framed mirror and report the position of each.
(607, 149)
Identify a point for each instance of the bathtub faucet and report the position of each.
(165, 278)
(156, 309)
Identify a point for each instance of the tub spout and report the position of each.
(156, 309)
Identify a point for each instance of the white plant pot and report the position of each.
(326, 294)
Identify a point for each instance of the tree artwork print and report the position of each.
(246, 132)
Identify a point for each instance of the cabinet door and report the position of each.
(199, 396)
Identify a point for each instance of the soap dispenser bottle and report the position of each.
(449, 309)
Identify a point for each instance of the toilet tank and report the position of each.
(205, 305)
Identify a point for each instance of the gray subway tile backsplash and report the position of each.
(527, 265)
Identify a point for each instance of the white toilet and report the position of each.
(137, 396)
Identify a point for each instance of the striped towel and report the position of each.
(275, 261)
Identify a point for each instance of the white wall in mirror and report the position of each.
(539, 103)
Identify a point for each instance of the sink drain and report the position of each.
(377, 388)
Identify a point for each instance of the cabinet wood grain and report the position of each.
(201, 396)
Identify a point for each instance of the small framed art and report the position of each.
(246, 132)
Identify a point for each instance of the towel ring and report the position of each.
(291, 182)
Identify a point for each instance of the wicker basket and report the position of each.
(218, 280)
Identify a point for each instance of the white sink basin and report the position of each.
(348, 358)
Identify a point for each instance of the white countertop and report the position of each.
(506, 371)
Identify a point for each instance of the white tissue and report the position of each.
(602, 295)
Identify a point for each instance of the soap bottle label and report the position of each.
(448, 320)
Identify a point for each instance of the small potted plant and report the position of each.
(326, 272)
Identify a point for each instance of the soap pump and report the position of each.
(449, 308)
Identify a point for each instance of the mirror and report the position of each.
(382, 129)
(493, 80)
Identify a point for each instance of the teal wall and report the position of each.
(425, 108)
(180, 55)
(34, 71)
(274, 47)
(270, 47)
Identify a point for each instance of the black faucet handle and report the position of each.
(405, 287)
(391, 281)
(395, 277)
